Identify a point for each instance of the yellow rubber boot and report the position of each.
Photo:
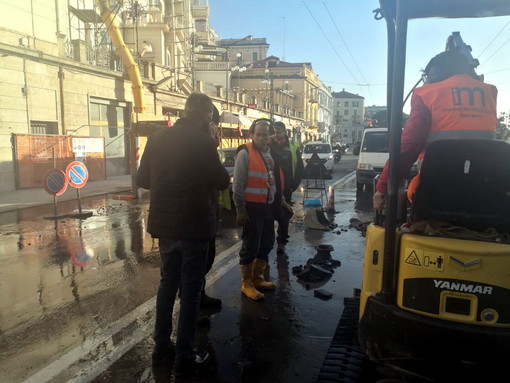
(247, 287)
(259, 265)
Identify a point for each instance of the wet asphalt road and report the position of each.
(76, 295)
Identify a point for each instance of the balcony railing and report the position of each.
(219, 65)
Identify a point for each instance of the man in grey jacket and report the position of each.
(256, 187)
(181, 168)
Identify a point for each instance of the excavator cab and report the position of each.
(438, 291)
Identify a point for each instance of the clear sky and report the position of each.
(347, 46)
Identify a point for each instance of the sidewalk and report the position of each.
(19, 199)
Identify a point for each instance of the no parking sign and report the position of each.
(55, 181)
(77, 174)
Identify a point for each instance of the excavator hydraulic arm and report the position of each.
(124, 53)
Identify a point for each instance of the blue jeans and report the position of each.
(258, 234)
(183, 265)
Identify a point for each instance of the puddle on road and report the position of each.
(60, 278)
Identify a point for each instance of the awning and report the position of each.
(235, 119)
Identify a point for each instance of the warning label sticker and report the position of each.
(426, 259)
(413, 259)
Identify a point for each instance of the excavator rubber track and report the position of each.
(345, 361)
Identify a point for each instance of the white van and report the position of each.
(373, 154)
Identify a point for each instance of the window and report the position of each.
(338, 104)
(317, 148)
(346, 104)
(355, 112)
(108, 120)
(355, 104)
(43, 127)
(376, 142)
(255, 56)
(346, 112)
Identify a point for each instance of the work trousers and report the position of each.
(258, 233)
(183, 265)
(283, 218)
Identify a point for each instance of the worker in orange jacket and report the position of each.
(257, 185)
(454, 103)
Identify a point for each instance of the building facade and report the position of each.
(325, 117)
(82, 81)
(348, 117)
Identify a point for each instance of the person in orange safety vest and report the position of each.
(452, 104)
(257, 185)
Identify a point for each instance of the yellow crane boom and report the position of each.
(123, 51)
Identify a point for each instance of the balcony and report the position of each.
(215, 65)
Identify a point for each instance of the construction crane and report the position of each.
(133, 71)
(131, 66)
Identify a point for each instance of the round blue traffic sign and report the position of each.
(77, 174)
(81, 258)
(55, 181)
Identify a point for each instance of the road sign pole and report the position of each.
(55, 183)
(78, 176)
(79, 200)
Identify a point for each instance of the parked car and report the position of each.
(323, 150)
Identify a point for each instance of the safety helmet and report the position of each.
(447, 64)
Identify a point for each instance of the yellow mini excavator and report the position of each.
(439, 294)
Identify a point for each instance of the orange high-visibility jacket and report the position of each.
(257, 181)
(461, 108)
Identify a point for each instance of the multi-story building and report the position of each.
(68, 82)
(244, 50)
(82, 81)
(325, 112)
(288, 92)
(348, 116)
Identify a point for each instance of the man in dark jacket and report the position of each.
(181, 168)
(288, 155)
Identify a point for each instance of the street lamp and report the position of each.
(239, 69)
(134, 14)
(268, 81)
(227, 59)
(194, 50)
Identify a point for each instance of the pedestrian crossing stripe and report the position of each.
(412, 259)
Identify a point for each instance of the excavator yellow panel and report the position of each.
(455, 279)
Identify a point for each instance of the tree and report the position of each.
(502, 129)
(381, 117)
